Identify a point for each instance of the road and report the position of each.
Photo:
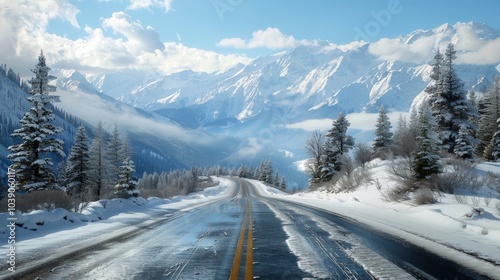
(248, 236)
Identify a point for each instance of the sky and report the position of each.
(207, 35)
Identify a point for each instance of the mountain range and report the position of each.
(267, 108)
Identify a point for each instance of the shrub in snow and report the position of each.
(351, 181)
(474, 212)
(40, 200)
(424, 196)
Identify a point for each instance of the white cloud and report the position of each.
(471, 48)
(311, 124)
(270, 38)
(139, 47)
(94, 109)
(139, 39)
(146, 4)
(359, 121)
(420, 50)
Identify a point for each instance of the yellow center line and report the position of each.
(247, 219)
(249, 264)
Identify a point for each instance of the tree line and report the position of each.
(450, 123)
(94, 169)
(181, 182)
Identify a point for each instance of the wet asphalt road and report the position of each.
(246, 236)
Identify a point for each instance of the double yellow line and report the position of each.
(247, 226)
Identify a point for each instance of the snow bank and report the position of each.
(41, 223)
(446, 227)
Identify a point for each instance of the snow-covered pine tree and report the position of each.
(464, 148)
(62, 176)
(114, 155)
(494, 148)
(435, 89)
(427, 159)
(241, 172)
(32, 159)
(490, 113)
(282, 184)
(266, 172)
(448, 100)
(337, 143)
(77, 166)
(127, 184)
(383, 134)
(276, 180)
(98, 164)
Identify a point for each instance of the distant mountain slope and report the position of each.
(158, 143)
(305, 82)
(252, 107)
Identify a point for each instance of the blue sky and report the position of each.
(218, 31)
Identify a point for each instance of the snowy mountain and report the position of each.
(258, 103)
(306, 82)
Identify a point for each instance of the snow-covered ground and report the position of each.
(443, 227)
(100, 220)
(446, 227)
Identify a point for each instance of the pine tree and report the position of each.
(32, 159)
(241, 172)
(276, 180)
(448, 100)
(383, 134)
(427, 159)
(464, 144)
(127, 184)
(494, 148)
(114, 155)
(490, 113)
(337, 143)
(266, 172)
(98, 164)
(282, 184)
(77, 167)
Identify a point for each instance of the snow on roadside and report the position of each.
(101, 216)
(443, 227)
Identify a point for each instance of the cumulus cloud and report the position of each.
(146, 4)
(418, 51)
(139, 39)
(359, 121)
(131, 46)
(470, 46)
(271, 38)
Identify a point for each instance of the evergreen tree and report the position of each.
(427, 159)
(127, 184)
(337, 143)
(62, 176)
(114, 155)
(448, 100)
(494, 148)
(241, 172)
(383, 134)
(282, 184)
(464, 144)
(490, 113)
(32, 159)
(98, 164)
(276, 180)
(266, 172)
(77, 167)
